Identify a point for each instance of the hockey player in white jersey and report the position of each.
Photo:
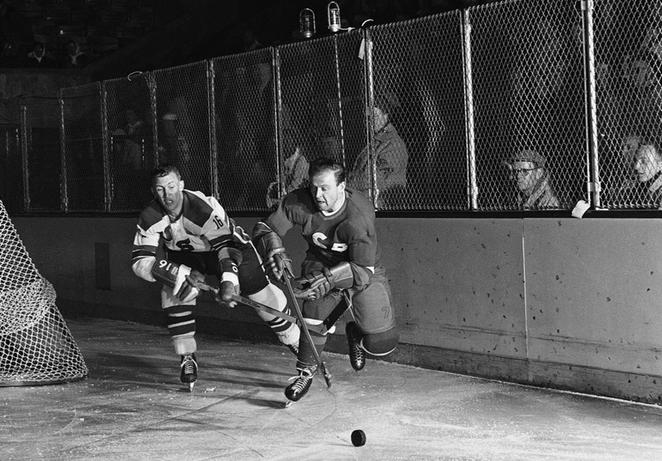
(184, 235)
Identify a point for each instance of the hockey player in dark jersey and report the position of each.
(342, 255)
(184, 235)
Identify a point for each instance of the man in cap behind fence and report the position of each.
(528, 170)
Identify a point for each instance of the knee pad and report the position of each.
(380, 344)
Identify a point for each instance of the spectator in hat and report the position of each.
(648, 170)
(390, 158)
(528, 170)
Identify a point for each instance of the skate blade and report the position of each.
(288, 403)
(190, 386)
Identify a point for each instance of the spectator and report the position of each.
(625, 160)
(38, 56)
(74, 57)
(131, 137)
(648, 170)
(177, 126)
(128, 161)
(389, 157)
(295, 174)
(528, 170)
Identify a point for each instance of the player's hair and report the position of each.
(322, 164)
(165, 170)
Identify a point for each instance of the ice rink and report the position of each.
(132, 407)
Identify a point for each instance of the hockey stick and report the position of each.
(321, 329)
(305, 327)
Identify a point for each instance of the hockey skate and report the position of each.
(301, 384)
(356, 353)
(189, 372)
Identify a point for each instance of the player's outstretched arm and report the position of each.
(318, 283)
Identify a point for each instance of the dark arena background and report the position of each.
(516, 321)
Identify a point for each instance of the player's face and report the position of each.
(168, 191)
(646, 164)
(326, 192)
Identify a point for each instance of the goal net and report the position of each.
(36, 346)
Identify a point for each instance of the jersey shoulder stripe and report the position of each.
(196, 208)
(150, 215)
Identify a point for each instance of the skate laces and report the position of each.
(301, 379)
(188, 365)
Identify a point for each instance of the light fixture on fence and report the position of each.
(307, 23)
(333, 17)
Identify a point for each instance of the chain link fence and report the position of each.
(482, 109)
(183, 113)
(529, 105)
(11, 163)
(420, 158)
(11, 190)
(322, 101)
(628, 61)
(245, 128)
(41, 122)
(83, 148)
(130, 140)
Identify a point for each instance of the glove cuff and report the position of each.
(230, 277)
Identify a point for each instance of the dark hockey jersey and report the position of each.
(347, 235)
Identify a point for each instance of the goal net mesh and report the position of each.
(36, 346)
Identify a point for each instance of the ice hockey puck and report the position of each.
(358, 438)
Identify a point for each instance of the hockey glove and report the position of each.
(318, 283)
(225, 293)
(270, 247)
(229, 282)
(176, 276)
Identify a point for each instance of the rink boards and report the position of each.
(558, 302)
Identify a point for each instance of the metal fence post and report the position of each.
(472, 182)
(105, 152)
(23, 140)
(64, 192)
(370, 104)
(591, 111)
(213, 145)
(336, 60)
(278, 110)
(151, 84)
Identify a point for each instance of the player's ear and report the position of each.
(181, 184)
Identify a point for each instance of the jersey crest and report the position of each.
(322, 241)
